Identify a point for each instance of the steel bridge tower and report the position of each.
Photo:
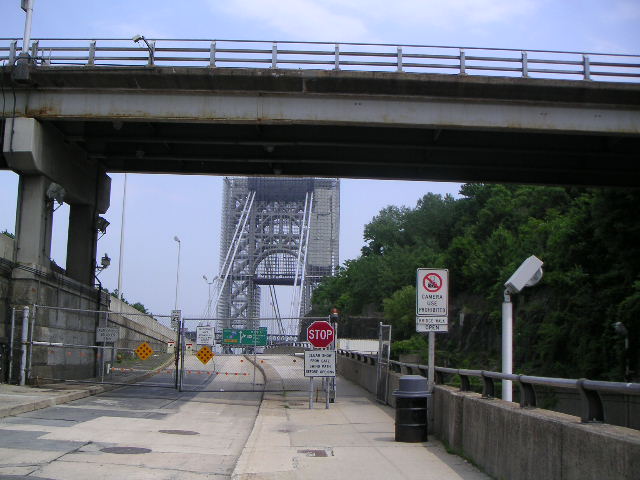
(275, 231)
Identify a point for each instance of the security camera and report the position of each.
(527, 275)
(137, 38)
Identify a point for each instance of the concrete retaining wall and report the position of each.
(510, 442)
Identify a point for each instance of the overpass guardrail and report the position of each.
(300, 55)
(589, 390)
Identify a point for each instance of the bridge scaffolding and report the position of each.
(275, 231)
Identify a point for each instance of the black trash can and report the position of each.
(411, 409)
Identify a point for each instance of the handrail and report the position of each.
(390, 57)
(589, 390)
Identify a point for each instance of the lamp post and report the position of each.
(207, 313)
(528, 274)
(175, 307)
(621, 330)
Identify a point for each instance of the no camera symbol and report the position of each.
(432, 282)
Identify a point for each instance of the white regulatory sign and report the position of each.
(106, 334)
(320, 363)
(175, 318)
(204, 335)
(432, 300)
(425, 327)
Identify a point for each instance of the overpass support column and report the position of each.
(82, 243)
(34, 221)
(41, 155)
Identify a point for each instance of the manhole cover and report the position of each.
(126, 450)
(179, 432)
(314, 453)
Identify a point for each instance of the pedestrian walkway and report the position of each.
(354, 439)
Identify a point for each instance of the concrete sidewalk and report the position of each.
(15, 399)
(354, 439)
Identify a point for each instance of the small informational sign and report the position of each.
(175, 318)
(204, 335)
(432, 324)
(106, 335)
(432, 300)
(245, 337)
(320, 363)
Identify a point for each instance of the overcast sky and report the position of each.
(160, 206)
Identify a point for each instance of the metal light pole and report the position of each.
(27, 6)
(528, 274)
(207, 313)
(121, 255)
(175, 307)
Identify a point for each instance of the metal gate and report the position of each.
(241, 355)
(56, 344)
(384, 352)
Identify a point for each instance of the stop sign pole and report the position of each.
(320, 334)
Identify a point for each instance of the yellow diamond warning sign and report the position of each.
(204, 354)
(144, 351)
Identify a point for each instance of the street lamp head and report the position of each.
(137, 38)
(176, 239)
(620, 329)
(205, 278)
(527, 275)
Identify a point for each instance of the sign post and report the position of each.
(322, 363)
(432, 309)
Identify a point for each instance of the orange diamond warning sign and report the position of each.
(144, 351)
(204, 354)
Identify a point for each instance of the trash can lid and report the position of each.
(412, 386)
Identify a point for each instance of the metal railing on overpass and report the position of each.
(589, 390)
(326, 56)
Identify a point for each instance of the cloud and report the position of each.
(298, 19)
(371, 20)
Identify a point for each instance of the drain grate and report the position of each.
(126, 450)
(179, 432)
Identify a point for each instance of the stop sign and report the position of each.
(320, 334)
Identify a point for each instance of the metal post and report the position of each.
(507, 345)
(212, 55)
(121, 254)
(274, 55)
(24, 337)
(525, 65)
(463, 65)
(399, 59)
(310, 392)
(337, 56)
(587, 67)
(27, 6)
(176, 353)
(11, 335)
(432, 362)
(33, 322)
(182, 353)
(326, 394)
(91, 60)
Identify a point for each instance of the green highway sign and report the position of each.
(257, 337)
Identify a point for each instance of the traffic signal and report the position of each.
(334, 316)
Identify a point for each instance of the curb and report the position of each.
(73, 394)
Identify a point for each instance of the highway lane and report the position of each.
(145, 430)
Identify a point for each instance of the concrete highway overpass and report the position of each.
(386, 125)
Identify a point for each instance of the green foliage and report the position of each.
(589, 240)
(8, 234)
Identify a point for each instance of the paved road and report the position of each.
(189, 435)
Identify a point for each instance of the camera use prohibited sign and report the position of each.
(432, 299)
